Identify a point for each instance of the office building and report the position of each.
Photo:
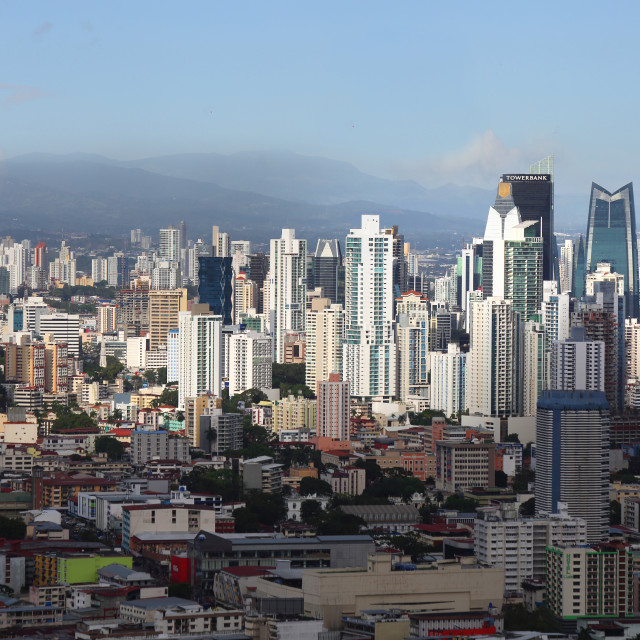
(159, 445)
(166, 275)
(219, 432)
(65, 328)
(464, 465)
(117, 270)
(327, 270)
(572, 457)
(215, 285)
(287, 287)
(164, 310)
(334, 408)
(611, 237)
(200, 353)
(448, 380)
(492, 362)
(369, 354)
(133, 310)
(258, 270)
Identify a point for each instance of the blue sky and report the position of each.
(431, 91)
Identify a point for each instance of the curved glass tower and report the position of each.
(611, 237)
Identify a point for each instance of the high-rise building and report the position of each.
(579, 266)
(327, 268)
(532, 193)
(448, 380)
(556, 317)
(492, 363)
(535, 365)
(200, 353)
(399, 262)
(220, 243)
(287, 287)
(170, 244)
(369, 355)
(523, 269)
(412, 339)
(215, 285)
(325, 337)
(165, 275)
(469, 271)
(577, 363)
(164, 312)
(566, 267)
(245, 295)
(250, 366)
(117, 270)
(334, 408)
(572, 457)
(65, 328)
(106, 318)
(611, 237)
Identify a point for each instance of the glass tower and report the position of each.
(215, 288)
(611, 237)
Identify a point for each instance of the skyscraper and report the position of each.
(325, 335)
(611, 237)
(287, 287)
(215, 285)
(170, 243)
(327, 264)
(412, 338)
(572, 457)
(164, 312)
(334, 404)
(369, 361)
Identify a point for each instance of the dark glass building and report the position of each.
(326, 269)
(579, 267)
(533, 195)
(611, 237)
(258, 269)
(215, 285)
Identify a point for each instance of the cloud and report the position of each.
(479, 163)
(42, 29)
(20, 93)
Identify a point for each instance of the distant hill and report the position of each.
(98, 195)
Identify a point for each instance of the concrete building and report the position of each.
(572, 457)
(448, 380)
(334, 408)
(294, 412)
(325, 337)
(332, 594)
(262, 474)
(578, 363)
(287, 287)
(369, 354)
(463, 465)
(590, 582)
(64, 328)
(159, 445)
(250, 357)
(412, 339)
(503, 538)
(200, 353)
(220, 432)
(165, 307)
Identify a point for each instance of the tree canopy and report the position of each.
(112, 447)
(12, 528)
(310, 486)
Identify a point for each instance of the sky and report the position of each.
(435, 92)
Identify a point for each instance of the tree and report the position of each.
(411, 544)
(216, 481)
(373, 471)
(522, 480)
(112, 447)
(310, 486)
(518, 618)
(528, 508)
(168, 397)
(338, 523)
(12, 528)
(310, 511)
(151, 376)
(459, 503)
(67, 420)
(512, 437)
(395, 483)
(246, 521)
(290, 374)
(162, 375)
(501, 479)
(615, 512)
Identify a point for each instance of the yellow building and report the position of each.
(164, 308)
(294, 412)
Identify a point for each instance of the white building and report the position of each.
(325, 336)
(136, 353)
(504, 539)
(566, 267)
(369, 354)
(556, 317)
(249, 361)
(170, 244)
(448, 380)
(535, 366)
(412, 338)
(287, 287)
(200, 339)
(577, 363)
(64, 327)
(492, 369)
(173, 355)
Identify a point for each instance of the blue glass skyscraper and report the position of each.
(611, 237)
(215, 285)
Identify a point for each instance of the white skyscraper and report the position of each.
(566, 267)
(249, 361)
(170, 244)
(535, 366)
(200, 347)
(448, 380)
(492, 367)
(287, 287)
(369, 360)
(220, 243)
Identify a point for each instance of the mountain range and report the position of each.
(252, 195)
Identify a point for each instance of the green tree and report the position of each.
(151, 376)
(168, 397)
(338, 523)
(459, 503)
(512, 437)
(522, 480)
(310, 486)
(411, 544)
(290, 374)
(310, 511)
(528, 508)
(215, 481)
(373, 471)
(180, 590)
(615, 512)
(501, 479)
(246, 521)
(112, 447)
(518, 618)
(12, 528)
(162, 375)
(67, 420)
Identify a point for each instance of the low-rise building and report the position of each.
(262, 474)
(462, 465)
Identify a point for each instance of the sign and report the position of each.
(526, 177)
